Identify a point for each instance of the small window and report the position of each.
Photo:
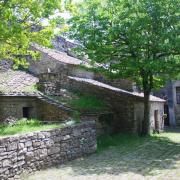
(26, 112)
(178, 95)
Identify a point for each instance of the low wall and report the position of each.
(38, 150)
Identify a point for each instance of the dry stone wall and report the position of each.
(39, 107)
(51, 83)
(122, 106)
(12, 107)
(52, 112)
(38, 150)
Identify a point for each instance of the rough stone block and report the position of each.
(6, 163)
(12, 146)
(21, 146)
(46, 149)
(28, 143)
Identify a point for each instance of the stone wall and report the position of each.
(122, 105)
(119, 83)
(127, 110)
(52, 83)
(42, 109)
(168, 92)
(139, 115)
(13, 107)
(47, 64)
(38, 150)
(52, 112)
(50, 65)
(176, 84)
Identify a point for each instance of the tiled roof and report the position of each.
(60, 56)
(17, 81)
(106, 86)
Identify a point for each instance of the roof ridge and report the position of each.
(107, 86)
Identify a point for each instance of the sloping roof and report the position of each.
(59, 56)
(106, 86)
(17, 81)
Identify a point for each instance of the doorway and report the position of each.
(166, 118)
(156, 122)
(27, 112)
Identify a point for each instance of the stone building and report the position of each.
(35, 94)
(171, 93)
(53, 61)
(19, 98)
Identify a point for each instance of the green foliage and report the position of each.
(138, 40)
(76, 117)
(135, 39)
(18, 22)
(31, 122)
(24, 126)
(86, 102)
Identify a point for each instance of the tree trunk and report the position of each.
(146, 120)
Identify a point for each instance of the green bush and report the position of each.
(76, 117)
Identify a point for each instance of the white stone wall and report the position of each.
(139, 115)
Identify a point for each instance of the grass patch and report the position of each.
(130, 141)
(88, 103)
(24, 126)
(82, 102)
(120, 140)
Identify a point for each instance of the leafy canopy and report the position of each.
(21, 23)
(136, 39)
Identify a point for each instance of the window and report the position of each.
(178, 95)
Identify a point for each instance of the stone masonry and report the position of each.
(38, 150)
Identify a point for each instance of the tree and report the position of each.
(137, 39)
(21, 24)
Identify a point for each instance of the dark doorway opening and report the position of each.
(156, 122)
(26, 112)
(166, 118)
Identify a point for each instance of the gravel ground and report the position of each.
(157, 158)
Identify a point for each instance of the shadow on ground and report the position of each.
(146, 157)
